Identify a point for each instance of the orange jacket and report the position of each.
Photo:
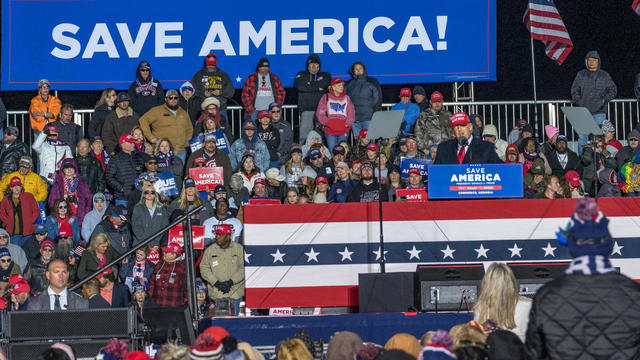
(53, 106)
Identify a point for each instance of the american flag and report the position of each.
(311, 255)
(636, 6)
(545, 24)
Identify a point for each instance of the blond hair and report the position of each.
(97, 240)
(173, 351)
(293, 349)
(498, 297)
(465, 334)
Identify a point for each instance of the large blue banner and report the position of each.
(471, 181)
(93, 44)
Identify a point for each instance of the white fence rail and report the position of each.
(623, 113)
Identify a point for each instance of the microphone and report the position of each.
(463, 141)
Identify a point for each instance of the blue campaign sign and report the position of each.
(472, 181)
(221, 142)
(42, 219)
(407, 164)
(196, 143)
(166, 184)
(95, 44)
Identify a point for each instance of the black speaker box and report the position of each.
(388, 292)
(449, 286)
(531, 276)
(31, 349)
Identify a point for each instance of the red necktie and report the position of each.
(461, 154)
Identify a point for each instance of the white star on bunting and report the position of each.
(346, 254)
(481, 252)
(515, 250)
(238, 79)
(617, 249)
(549, 250)
(448, 252)
(312, 255)
(278, 256)
(246, 257)
(414, 253)
(378, 254)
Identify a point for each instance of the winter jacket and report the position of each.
(573, 163)
(277, 192)
(192, 107)
(126, 270)
(51, 154)
(120, 238)
(121, 175)
(433, 127)
(220, 158)
(53, 105)
(145, 225)
(271, 138)
(585, 317)
(83, 196)
(607, 188)
(364, 95)
(627, 179)
(97, 120)
(35, 275)
(93, 218)
(623, 156)
(29, 213)
(70, 133)
(250, 87)
(248, 183)
(286, 139)
(53, 226)
(220, 265)
(159, 122)
(31, 182)
(90, 171)
(145, 94)
(10, 156)
(198, 218)
(593, 89)
(311, 86)
(340, 190)
(367, 193)
(256, 146)
(586, 160)
(116, 125)
(411, 112)
(215, 80)
(336, 113)
(212, 223)
(89, 262)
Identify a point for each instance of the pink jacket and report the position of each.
(336, 113)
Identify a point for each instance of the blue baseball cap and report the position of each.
(314, 153)
(40, 229)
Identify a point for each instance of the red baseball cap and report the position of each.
(414, 171)
(321, 179)
(356, 162)
(200, 160)
(126, 138)
(405, 92)
(20, 287)
(15, 181)
(16, 278)
(260, 181)
(172, 248)
(211, 60)
(372, 147)
(459, 118)
(337, 81)
(436, 96)
(573, 178)
(363, 133)
(52, 129)
(217, 332)
(263, 114)
(224, 229)
(48, 243)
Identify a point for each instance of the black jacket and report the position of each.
(120, 238)
(271, 137)
(311, 87)
(35, 274)
(573, 163)
(625, 155)
(144, 98)
(192, 107)
(121, 174)
(367, 193)
(479, 152)
(89, 262)
(120, 296)
(91, 172)
(215, 80)
(97, 120)
(585, 317)
(10, 156)
(97, 302)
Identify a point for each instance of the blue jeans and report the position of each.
(18, 240)
(583, 139)
(183, 156)
(333, 140)
(357, 126)
(633, 194)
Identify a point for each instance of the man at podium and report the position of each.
(464, 149)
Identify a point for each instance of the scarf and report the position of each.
(207, 115)
(56, 142)
(590, 265)
(165, 160)
(249, 144)
(139, 147)
(70, 185)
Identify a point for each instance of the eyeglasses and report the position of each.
(145, 70)
(172, 97)
(65, 237)
(633, 139)
(62, 207)
(4, 261)
(276, 111)
(47, 249)
(149, 192)
(315, 157)
(201, 165)
(153, 162)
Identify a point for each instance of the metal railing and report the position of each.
(623, 113)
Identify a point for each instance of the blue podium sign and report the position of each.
(475, 181)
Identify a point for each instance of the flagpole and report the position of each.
(535, 93)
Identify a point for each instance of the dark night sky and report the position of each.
(611, 27)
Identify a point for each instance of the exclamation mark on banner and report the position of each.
(442, 29)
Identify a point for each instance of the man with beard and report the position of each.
(221, 217)
(367, 189)
(12, 150)
(563, 159)
(213, 157)
(212, 81)
(35, 273)
(464, 149)
(411, 143)
(627, 152)
(120, 121)
(316, 162)
(169, 121)
(432, 126)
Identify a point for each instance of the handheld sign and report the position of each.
(166, 184)
(207, 178)
(196, 143)
(412, 195)
(263, 201)
(407, 164)
(176, 236)
(221, 141)
(475, 181)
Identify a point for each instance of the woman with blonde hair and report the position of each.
(293, 349)
(149, 216)
(141, 145)
(501, 302)
(102, 108)
(190, 198)
(98, 254)
(167, 160)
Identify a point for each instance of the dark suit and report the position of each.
(42, 302)
(97, 302)
(478, 152)
(120, 296)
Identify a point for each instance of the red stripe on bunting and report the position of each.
(431, 210)
(310, 296)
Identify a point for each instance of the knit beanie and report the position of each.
(587, 233)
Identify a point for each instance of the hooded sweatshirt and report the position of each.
(608, 188)
(307, 144)
(145, 93)
(72, 188)
(310, 86)
(92, 219)
(336, 113)
(593, 89)
(364, 95)
(213, 80)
